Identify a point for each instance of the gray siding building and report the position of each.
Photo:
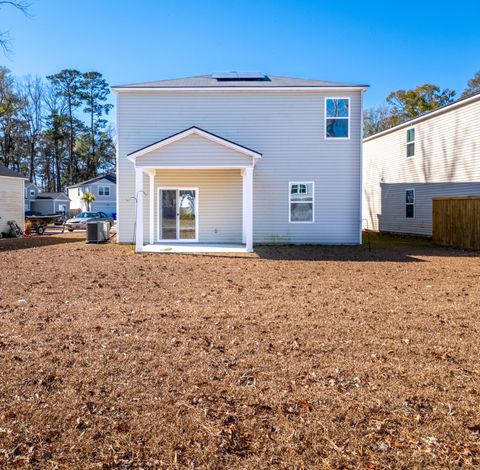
(239, 159)
(12, 191)
(435, 155)
(102, 187)
(51, 203)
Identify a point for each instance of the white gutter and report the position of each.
(436, 112)
(15, 177)
(234, 88)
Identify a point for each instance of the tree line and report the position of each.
(402, 105)
(55, 131)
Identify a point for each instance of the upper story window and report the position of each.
(301, 203)
(32, 193)
(337, 118)
(104, 190)
(411, 142)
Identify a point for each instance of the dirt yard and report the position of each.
(296, 357)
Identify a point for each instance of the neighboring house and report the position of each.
(102, 187)
(31, 193)
(239, 159)
(437, 154)
(51, 203)
(12, 187)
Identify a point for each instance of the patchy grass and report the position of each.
(298, 357)
(388, 239)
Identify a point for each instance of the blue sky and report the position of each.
(386, 44)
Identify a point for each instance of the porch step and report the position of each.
(194, 248)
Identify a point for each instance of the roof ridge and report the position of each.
(207, 81)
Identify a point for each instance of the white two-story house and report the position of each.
(230, 160)
(102, 187)
(405, 167)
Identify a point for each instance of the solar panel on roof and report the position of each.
(224, 75)
(238, 76)
(250, 75)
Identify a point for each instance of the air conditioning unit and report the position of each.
(97, 231)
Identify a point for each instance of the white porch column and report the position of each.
(152, 205)
(248, 208)
(244, 204)
(139, 209)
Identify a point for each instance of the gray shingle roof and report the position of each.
(206, 81)
(51, 195)
(4, 171)
(108, 177)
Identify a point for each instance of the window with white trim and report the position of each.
(337, 118)
(300, 202)
(409, 203)
(104, 190)
(32, 193)
(410, 142)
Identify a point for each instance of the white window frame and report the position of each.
(329, 117)
(103, 188)
(412, 142)
(410, 203)
(290, 184)
(31, 192)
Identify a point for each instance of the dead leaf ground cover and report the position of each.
(297, 357)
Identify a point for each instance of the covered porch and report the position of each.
(164, 247)
(194, 194)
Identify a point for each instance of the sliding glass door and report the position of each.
(178, 214)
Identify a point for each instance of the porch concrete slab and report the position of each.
(195, 248)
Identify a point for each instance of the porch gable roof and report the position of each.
(194, 130)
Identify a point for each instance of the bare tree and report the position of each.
(20, 5)
(31, 92)
(55, 137)
(11, 124)
(67, 85)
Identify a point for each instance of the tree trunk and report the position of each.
(32, 161)
(93, 167)
(70, 143)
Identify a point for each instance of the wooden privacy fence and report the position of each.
(456, 221)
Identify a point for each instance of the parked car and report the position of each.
(81, 220)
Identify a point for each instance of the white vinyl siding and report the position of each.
(446, 163)
(219, 194)
(11, 202)
(287, 128)
(194, 150)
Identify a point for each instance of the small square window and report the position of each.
(301, 203)
(104, 191)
